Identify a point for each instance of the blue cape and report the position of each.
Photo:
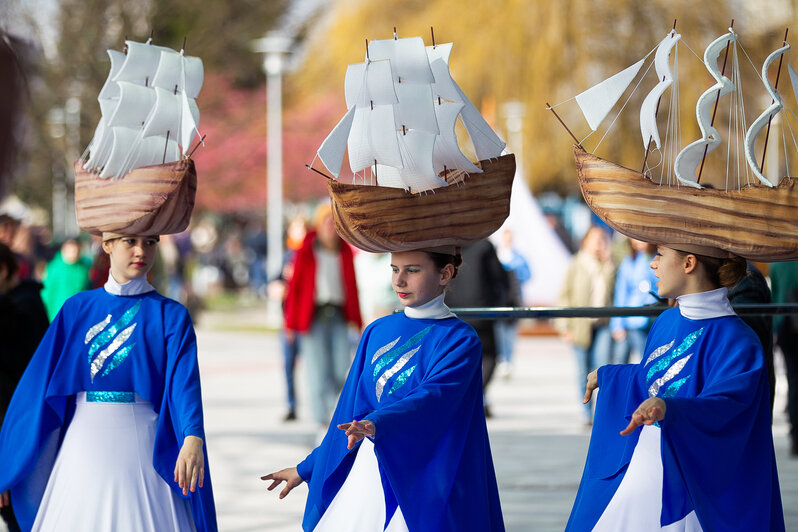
(155, 356)
(717, 444)
(420, 382)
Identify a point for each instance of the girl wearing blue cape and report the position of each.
(105, 429)
(703, 460)
(407, 448)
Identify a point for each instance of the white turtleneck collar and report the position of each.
(133, 287)
(434, 309)
(705, 305)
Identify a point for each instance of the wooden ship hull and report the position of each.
(756, 221)
(382, 219)
(152, 200)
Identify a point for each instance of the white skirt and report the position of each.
(359, 506)
(637, 504)
(103, 478)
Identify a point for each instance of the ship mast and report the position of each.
(550, 108)
(717, 99)
(775, 87)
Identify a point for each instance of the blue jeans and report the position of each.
(326, 351)
(290, 354)
(635, 342)
(505, 339)
(588, 359)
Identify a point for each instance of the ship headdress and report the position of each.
(136, 175)
(412, 186)
(750, 214)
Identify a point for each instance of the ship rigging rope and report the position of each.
(737, 115)
(700, 58)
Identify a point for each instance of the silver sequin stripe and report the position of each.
(98, 362)
(658, 352)
(384, 349)
(95, 329)
(674, 370)
(391, 372)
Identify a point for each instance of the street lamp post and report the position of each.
(274, 47)
(56, 121)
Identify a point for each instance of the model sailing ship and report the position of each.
(399, 132)
(139, 159)
(630, 201)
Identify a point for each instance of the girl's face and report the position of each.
(131, 256)
(668, 266)
(416, 279)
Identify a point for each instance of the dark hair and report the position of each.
(8, 260)
(442, 259)
(725, 272)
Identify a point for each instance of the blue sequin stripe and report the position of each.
(401, 379)
(664, 362)
(674, 387)
(119, 357)
(109, 333)
(393, 354)
(110, 397)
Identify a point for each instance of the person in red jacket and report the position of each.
(321, 303)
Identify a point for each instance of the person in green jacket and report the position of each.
(64, 276)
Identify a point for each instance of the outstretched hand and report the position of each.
(357, 430)
(649, 412)
(289, 475)
(190, 465)
(592, 384)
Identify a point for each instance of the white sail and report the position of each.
(108, 98)
(439, 51)
(444, 87)
(369, 83)
(691, 156)
(417, 173)
(123, 139)
(110, 88)
(156, 150)
(165, 114)
(794, 80)
(179, 73)
(141, 62)
(447, 154)
(597, 101)
(100, 144)
(648, 111)
(415, 107)
(331, 151)
(135, 104)
(487, 145)
(407, 57)
(373, 138)
(189, 120)
(764, 119)
(446, 98)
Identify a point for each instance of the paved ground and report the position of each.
(537, 437)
